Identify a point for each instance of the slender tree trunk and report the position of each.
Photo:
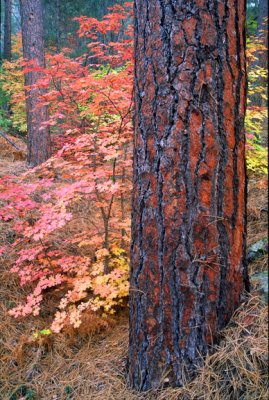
(58, 24)
(188, 267)
(0, 30)
(261, 57)
(263, 30)
(262, 35)
(33, 49)
(263, 15)
(7, 30)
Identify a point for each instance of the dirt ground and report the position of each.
(87, 366)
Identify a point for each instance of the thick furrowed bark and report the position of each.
(188, 223)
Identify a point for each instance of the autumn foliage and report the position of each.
(71, 214)
(257, 110)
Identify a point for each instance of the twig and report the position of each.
(9, 141)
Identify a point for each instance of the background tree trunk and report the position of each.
(58, 24)
(188, 266)
(38, 138)
(0, 30)
(7, 30)
(263, 15)
(262, 57)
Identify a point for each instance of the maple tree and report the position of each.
(92, 168)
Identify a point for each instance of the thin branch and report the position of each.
(9, 141)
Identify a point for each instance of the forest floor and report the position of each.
(87, 366)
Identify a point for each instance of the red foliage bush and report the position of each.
(71, 214)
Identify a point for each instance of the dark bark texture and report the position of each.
(7, 30)
(188, 267)
(38, 138)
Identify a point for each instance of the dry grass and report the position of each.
(94, 368)
(88, 367)
(257, 210)
(9, 152)
(12, 160)
(11, 168)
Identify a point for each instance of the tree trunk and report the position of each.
(38, 139)
(263, 57)
(263, 15)
(188, 264)
(262, 36)
(7, 30)
(58, 25)
(0, 31)
(263, 32)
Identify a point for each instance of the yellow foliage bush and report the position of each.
(12, 80)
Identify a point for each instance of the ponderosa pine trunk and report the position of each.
(38, 136)
(188, 265)
(7, 30)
